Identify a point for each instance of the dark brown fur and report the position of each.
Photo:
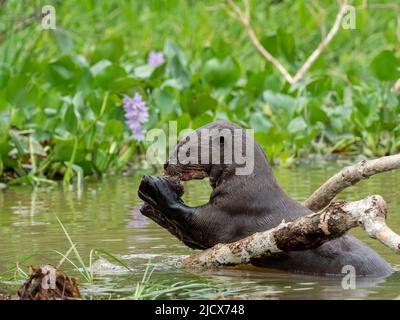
(242, 205)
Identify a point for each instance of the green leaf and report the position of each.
(89, 137)
(220, 47)
(64, 72)
(21, 92)
(71, 119)
(297, 125)
(183, 122)
(101, 161)
(144, 71)
(63, 40)
(282, 105)
(18, 143)
(259, 122)
(4, 76)
(257, 83)
(239, 106)
(385, 66)
(271, 142)
(122, 85)
(22, 181)
(113, 129)
(111, 48)
(320, 85)
(270, 42)
(94, 100)
(286, 43)
(5, 148)
(165, 101)
(202, 120)
(196, 103)
(221, 73)
(177, 70)
(176, 67)
(3, 101)
(171, 50)
(316, 113)
(105, 73)
(305, 138)
(63, 150)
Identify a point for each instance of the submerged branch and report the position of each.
(307, 232)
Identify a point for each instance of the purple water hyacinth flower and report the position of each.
(136, 113)
(155, 59)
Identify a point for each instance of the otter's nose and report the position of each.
(166, 165)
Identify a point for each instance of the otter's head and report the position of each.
(211, 150)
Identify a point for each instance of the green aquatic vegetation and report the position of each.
(15, 275)
(62, 90)
(200, 288)
(85, 269)
(146, 288)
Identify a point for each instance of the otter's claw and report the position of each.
(160, 192)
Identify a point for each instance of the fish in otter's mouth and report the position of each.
(185, 172)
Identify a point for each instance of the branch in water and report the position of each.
(307, 232)
(348, 177)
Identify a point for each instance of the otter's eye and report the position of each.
(187, 139)
(221, 140)
(188, 153)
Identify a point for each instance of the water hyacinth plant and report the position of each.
(136, 113)
(56, 122)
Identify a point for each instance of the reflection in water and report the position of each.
(275, 285)
(137, 220)
(105, 215)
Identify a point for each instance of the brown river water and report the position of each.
(104, 215)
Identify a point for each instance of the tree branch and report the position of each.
(396, 86)
(307, 232)
(244, 18)
(348, 177)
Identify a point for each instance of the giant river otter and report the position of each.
(241, 205)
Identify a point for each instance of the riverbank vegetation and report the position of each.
(90, 274)
(62, 91)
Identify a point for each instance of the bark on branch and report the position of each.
(396, 86)
(307, 232)
(348, 177)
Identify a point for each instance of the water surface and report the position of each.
(105, 215)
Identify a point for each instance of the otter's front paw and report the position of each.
(160, 192)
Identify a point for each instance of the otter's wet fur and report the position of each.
(241, 205)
